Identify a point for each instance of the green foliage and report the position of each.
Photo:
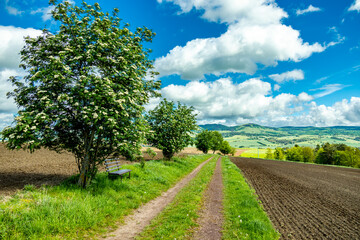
(331, 154)
(203, 140)
(233, 151)
(178, 219)
(216, 141)
(84, 90)
(68, 212)
(243, 216)
(338, 154)
(225, 148)
(294, 154)
(279, 154)
(171, 127)
(308, 154)
(269, 154)
(326, 154)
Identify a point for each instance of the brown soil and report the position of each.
(19, 168)
(135, 223)
(307, 201)
(211, 216)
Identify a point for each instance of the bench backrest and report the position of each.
(112, 164)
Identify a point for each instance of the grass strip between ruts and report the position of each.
(244, 218)
(68, 212)
(178, 220)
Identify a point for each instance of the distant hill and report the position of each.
(255, 128)
(216, 127)
(254, 135)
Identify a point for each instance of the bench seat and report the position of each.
(113, 167)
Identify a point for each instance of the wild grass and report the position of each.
(244, 218)
(68, 212)
(178, 220)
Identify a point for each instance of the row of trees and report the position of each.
(85, 91)
(213, 140)
(333, 154)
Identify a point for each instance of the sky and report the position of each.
(269, 62)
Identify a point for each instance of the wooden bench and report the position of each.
(113, 167)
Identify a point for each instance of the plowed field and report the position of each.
(20, 168)
(306, 201)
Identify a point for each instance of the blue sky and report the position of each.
(271, 62)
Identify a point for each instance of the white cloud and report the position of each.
(328, 89)
(338, 38)
(227, 101)
(343, 113)
(304, 97)
(7, 105)
(5, 120)
(355, 6)
(12, 41)
(311, 8)
(255, 35)
(230, 11)
(46, 12)
(12, 10)
(293, 75)
(277, 87)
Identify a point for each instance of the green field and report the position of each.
(256, 136)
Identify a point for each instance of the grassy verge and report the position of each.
(244, 218)
(67, 212)
(178, 219)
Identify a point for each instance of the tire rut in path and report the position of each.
(211, 216)
(136, 222)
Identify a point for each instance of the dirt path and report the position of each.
(135, 223)
(307, 201)
(211, 216)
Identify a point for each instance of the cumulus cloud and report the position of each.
(230, 11)
(293, 75)
(355, 6)
(231, 102)
(309, 9)
(7, 105)
(342, 113)
(12, 41)
(255, 35)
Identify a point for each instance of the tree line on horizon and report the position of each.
(330, 154)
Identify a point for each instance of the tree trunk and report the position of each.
(168, 155)
(85, 172)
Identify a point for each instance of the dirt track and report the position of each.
(307, 201)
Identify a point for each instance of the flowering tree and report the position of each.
(84, 91)
(171, 127)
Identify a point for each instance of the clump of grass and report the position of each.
(66, 211)
(244, 218)
(178, 220)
